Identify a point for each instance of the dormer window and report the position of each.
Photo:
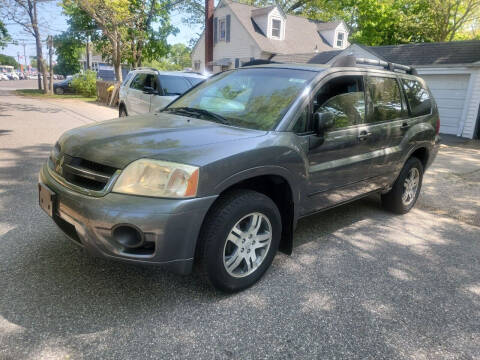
(340, 38)
(276, 28)
(222, 26)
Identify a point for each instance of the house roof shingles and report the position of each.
(455, 52)
(421, 54)
(301, 35)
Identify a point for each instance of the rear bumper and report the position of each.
(434, 151)
(170, 227)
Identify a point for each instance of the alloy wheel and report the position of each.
(247, 245)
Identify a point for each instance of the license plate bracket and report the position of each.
(46, 199)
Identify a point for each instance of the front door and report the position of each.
(339, 165)
(170, 87)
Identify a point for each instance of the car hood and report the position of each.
(164, 136)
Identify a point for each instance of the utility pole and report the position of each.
(50, 55)
(88, 53)
(25, 56)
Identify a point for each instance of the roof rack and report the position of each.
(145, 68)
(351, 61)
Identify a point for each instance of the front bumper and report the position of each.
(170, 226)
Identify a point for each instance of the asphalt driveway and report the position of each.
(362, 283)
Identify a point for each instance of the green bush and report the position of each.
(85, 84)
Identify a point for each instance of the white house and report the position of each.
(242, 33)
(451, 69)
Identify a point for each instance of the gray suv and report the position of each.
(221, 176)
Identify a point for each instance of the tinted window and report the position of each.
(418, 97)
(255, 98)
(151, 81)
(138, 82)
(344, 97)
(195, 81)
(174, 85)
(386, 101)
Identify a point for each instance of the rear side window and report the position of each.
(418, 97)
(386, 100)
(174, 85)
(138, 82)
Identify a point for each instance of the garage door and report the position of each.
(449, 92)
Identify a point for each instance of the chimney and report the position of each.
(208, 34)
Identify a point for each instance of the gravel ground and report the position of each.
(361, 283)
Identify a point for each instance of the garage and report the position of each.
(450, 92)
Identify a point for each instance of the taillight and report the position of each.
(437, 127)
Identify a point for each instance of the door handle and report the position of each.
(363, 135)
(405, 125)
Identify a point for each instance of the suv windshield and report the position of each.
(255, 98)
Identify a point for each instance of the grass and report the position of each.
(39, 93)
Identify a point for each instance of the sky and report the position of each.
(54, 22)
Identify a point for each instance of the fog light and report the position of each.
(128, 236)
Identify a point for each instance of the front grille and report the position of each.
(80, 172)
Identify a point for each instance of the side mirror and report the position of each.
(323, 121)
(149, 90)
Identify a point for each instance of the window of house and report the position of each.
(386, 100)
(196, 65)
(344, 97)
(340, 38)
(276, 28)
(418, 97)
(222, 29)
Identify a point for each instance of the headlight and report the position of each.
(159, 179)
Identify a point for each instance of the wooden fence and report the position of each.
(106, 97)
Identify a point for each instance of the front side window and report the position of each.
(418, 97)
(344, 97)
(276, 28)
(222, 29)
(340, 37)
(255, 98)
(138, 82)
(173, 85)
(386, 102)
(128, 77)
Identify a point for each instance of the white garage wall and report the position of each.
(450, 92)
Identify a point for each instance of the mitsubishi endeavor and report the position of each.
(220, 177)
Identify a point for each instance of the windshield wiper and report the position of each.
(193, 111)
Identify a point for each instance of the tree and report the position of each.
(449, 18)
(8, 60)
(69, 50)
(25, 14)
(180, 55)
(128, 30)
(4, 36)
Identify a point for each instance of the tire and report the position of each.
(59, 91)
(238, 208)
(122, 112)
(393, 200)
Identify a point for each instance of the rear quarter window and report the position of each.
(418, 97)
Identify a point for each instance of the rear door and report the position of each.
(386, 122)
(136, 102)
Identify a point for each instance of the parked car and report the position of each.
(147, 89)
(221, 176)
(63, 87)
(3, 77)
